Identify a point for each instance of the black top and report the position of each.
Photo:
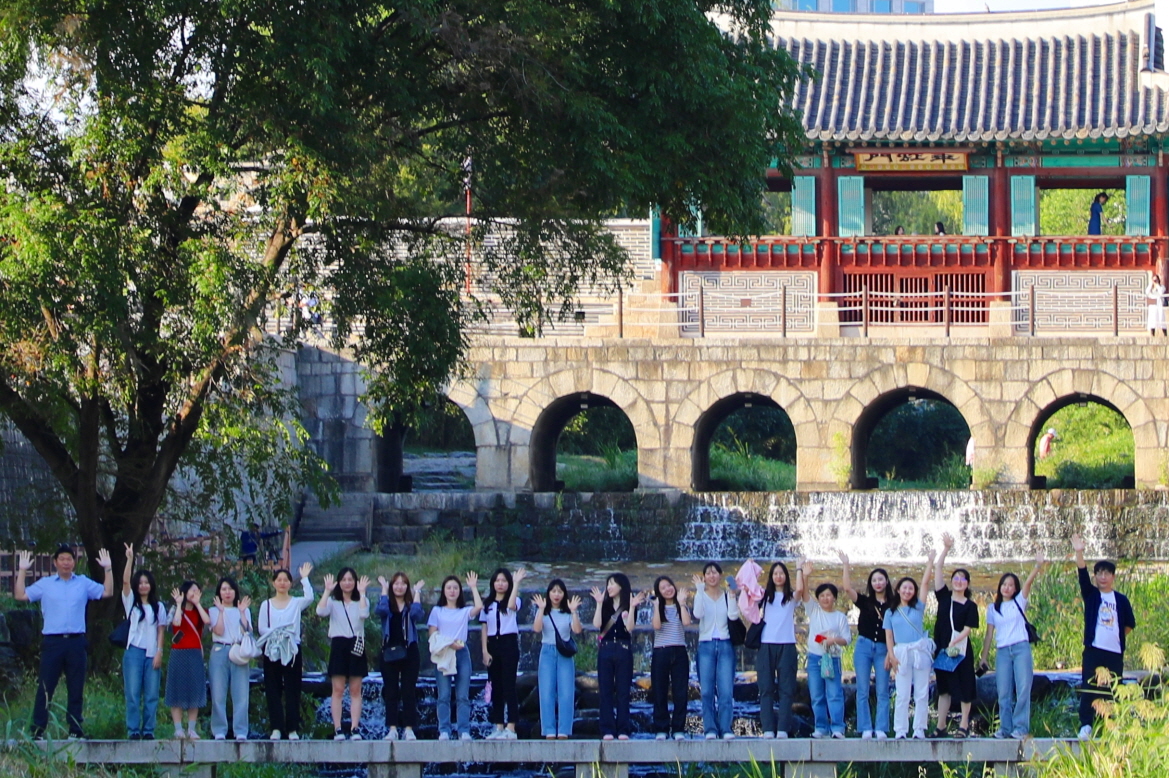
(871, 623)
(618, 632)
(965, 615)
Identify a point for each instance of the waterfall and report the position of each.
(875, 527)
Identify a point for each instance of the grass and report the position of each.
(1094, 449)
(616, 471)
(738, 471)
(952, 473)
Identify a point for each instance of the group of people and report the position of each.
(890, 641)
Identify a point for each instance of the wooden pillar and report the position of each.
(1159, 202)
(1000, 226)
(827, 211)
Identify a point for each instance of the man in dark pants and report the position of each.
(1108, 618)
(63, 598)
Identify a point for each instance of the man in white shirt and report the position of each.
(63, 598)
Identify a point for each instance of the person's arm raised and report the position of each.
(1040, 560)
(847, 573)
(940, 563)
(127, 571)
(23, 565)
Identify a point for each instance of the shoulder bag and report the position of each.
(945, 661)
(358, 639)
(736, 630)
(753, 639)
(566, 648)
(120, 635)
(1032, 633)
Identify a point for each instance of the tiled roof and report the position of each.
(969, 78)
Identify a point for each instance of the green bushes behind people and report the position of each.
(1093, 450)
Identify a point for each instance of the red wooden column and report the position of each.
(1000, 226)
(1159, 202)
(826, 207)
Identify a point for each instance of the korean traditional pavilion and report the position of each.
(999, 106)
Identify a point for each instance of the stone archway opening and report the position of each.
(583, 442)
(744, 443)
(1081, 442)
(910, 438)
(435, 455)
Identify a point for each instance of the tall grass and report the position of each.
(1094, 449)
(738, 470)
(615, 471)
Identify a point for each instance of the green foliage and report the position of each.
(738, 471)
(917, 212)
(951, 473)
(1094, 450)
(442, 427)
(1132, 735)
(1066, 211)
(758, 431)
(437, 557)
(917, 438)
(594, 430)
(595, 474)
(206, 165)
(777, 210)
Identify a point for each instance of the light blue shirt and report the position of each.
(63, 602)
(906, 623)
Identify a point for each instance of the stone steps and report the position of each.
(347, 520)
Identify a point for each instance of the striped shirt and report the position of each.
(671, 632)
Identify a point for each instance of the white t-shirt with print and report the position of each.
(1107, 624)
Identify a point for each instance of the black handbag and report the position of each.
(120, 635)
(566, 648)
(754, 637)
(1032, 633)
(393, 653)
(735, 627)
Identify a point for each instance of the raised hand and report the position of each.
(597, 594)
(698, 582)
(24, 561)
(330, 583)
(306, 569)
(245, 603)
(362, 584)
(1078, 543)
(129, 553)
(947, 541)
(637, 600)
(218, 603)
(418, 588)
(539, 602)
(574, 602)
(843, 557)
(178, 596)
(103, 559)
(519, 575)
(1040, 557)
(473, 579)
(382, 582)
(932, 555)
(682, 595)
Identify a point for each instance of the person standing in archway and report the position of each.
(1045, 443)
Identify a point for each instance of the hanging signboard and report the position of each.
(876, 160)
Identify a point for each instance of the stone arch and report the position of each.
(708, 424)
(544, 406)
(871, 397)
(477, 411)
(1064, 387)
(718, 393)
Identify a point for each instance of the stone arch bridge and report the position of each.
(675, 392)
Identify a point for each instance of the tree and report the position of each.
(175, 170)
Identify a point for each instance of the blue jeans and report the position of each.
(225, 676)
(1014, 672)
(868, 656)
(462, 684)
(777, 665)
(716, 676)
(557, 676)
(61, 654)
(141, 682)
(827, 695)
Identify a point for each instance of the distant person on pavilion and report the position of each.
(939, 228)
(1096, 217)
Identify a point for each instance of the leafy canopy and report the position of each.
(177, 170)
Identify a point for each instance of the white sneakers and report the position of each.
(444, 736)
(465, 736)
(711, 736)
(679, 736)
(729, 736)
(660, 736)
(294, 736)
(769, 736)
(392, 733)
(867, 735)
(275, 735)
(1086, 732)
(882, 735)
(409, 734)
(838, 735)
